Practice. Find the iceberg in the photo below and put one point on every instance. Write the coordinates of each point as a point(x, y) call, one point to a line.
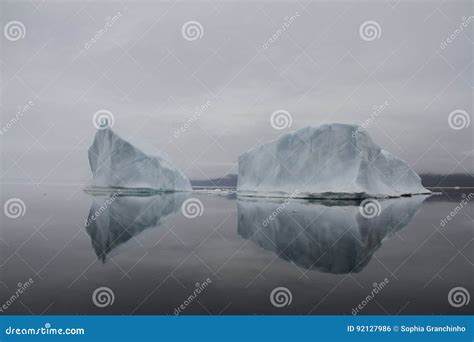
point(117, 163)
point(330, 236)
point(330, 161)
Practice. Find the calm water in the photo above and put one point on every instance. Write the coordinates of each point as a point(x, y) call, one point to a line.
point(152, 257)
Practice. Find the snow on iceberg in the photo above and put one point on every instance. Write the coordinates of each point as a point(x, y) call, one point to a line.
point(117, 163)
point(329, 161)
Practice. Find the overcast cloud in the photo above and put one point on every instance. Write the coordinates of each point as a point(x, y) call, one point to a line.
point(319, 69)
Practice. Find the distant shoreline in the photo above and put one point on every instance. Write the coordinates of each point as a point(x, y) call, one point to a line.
point(435, 181)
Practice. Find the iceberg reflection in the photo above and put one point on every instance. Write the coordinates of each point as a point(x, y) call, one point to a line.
point(114, 218)
point(329, 236)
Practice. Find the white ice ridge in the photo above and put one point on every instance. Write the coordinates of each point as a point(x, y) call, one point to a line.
point(117, 163)
point(329, 161)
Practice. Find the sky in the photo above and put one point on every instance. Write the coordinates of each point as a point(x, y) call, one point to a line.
point(206, 94)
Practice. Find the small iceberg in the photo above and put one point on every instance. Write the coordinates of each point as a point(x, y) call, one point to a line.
point(115, 163)
point(335, 161)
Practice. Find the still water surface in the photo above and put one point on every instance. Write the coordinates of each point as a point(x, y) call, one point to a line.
point(152, 257)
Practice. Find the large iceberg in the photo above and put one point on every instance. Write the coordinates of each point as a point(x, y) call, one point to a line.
point(117, 163)
point(329, 161)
